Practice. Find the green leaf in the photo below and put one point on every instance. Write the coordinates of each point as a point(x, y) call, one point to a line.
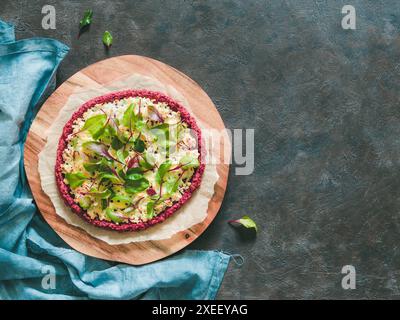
point(134, 176)
point(162, 170)
point(172, 184)
point(95, 125)
point(161, 134)
point(135, 186)
point(189, 161)
point(75, 180)
point(113, 216)
point(87, 19)
point(147, 161)
point(245, 221)
point(96, 148)
point(85, 202)
point(116, 143)
point(137, 170)
point(121, 198)
point(100, 166)
point(109, 177)
point(101, 194)
point(150, 209)
point(139, 145)
point(107, 39)
point(121, 155)
point(129, 118)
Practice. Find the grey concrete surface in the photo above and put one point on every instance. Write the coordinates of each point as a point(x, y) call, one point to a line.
point(324, 103)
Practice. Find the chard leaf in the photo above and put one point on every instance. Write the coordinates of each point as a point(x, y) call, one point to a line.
point(107, 39)
point(134, 170)
point(162, 170)
point(150, 209)
point(189, 161)
point(97, 148)
point(134, 176)
point(101, 194)
point(147, 161)
point(87, 19)
point(115, 216)
point(85, 202)
point(75, 180)
point(116, 143)
point(109, 177)
point(245, 221)
point(161, 134)
point(121, 155)
point(172, 184)
point(95, 125)
point(129, 118)
point(134, 186)
point(139, 145)
point(101, 166)
point(121, 198)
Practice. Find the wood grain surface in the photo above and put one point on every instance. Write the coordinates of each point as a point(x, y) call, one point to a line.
point(105, 72)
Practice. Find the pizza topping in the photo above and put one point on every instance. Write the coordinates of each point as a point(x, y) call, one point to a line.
point(128, 160)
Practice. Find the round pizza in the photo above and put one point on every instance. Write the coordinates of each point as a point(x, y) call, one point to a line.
point(128, 160)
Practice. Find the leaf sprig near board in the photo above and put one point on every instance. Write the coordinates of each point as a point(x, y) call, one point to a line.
point(85, 23)
point(107, 39)
point(246, 222)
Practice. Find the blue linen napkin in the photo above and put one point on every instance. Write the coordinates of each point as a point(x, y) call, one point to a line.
point(30, 251)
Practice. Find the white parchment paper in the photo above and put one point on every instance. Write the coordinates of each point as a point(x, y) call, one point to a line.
point(192, 212)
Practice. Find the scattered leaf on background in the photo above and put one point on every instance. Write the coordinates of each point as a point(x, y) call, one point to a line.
point(86, 20)
point(245, 221)
point(107, 39)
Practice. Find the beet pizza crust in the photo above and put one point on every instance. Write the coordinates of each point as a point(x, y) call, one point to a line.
point(65, 190)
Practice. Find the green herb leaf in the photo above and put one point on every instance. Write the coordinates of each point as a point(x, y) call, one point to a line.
point(134, 176)
point(116, 143)
point(101, 194)
point(75, 180)
point(161, 134)
point(107, 39)
point(150, 209)
point(121, 198)
point(100, 166)
point(189, 161)
point(245, 221)
point(136, 185)
point(139, 145)
point(172, 184)
point(87, 19)
point(162, 170)
point(109, 177)
point(114, 216)
point(129, 118)
point(121, 155)
point(147, 161)
point(85, 202)
point(95, 125)
point(134, 170)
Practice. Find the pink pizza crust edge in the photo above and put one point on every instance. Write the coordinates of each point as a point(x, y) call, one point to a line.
point(62, 144)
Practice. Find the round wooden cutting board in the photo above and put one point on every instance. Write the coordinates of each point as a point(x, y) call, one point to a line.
point(104, 73)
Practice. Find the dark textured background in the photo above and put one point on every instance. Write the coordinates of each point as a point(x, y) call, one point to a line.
point(325, 106)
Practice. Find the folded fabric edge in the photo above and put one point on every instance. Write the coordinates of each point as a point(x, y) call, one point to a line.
point(34, 44)
point(7, 33)
point(219, 270)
